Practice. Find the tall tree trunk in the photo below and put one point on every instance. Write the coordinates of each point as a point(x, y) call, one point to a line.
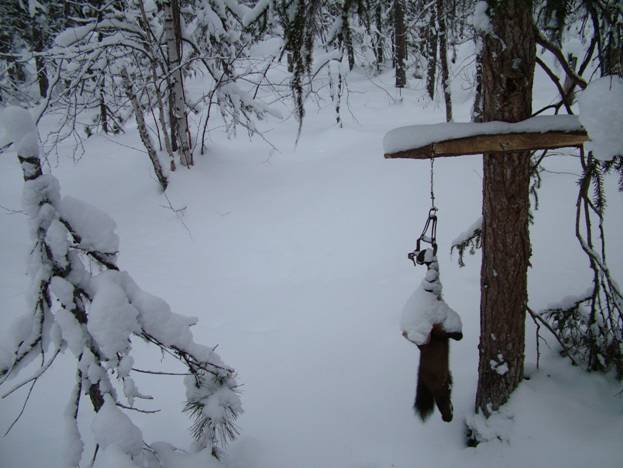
point(378, 35)
point(400, 43)
point(507, 74)
point(347, 37)
point(443, 57)
point(42, 74)
point(431, 49)
point(180, 134)
point(477, 106)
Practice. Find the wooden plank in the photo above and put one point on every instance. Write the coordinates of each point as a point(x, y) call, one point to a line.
point(497, 143)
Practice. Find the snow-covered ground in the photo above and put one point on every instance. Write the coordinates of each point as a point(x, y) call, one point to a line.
point(295, 263)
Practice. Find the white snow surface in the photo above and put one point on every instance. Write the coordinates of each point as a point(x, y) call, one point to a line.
point(112, 319)
point(112, 427)
point(96, 228)
point(416, 136)
point(15, 123)
point(601, 113)
point(295, 264)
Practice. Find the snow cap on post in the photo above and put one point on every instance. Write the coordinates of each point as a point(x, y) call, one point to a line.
point(464, 138)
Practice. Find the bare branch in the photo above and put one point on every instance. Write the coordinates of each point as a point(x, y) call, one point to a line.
point(544, 42)
point(21, 412)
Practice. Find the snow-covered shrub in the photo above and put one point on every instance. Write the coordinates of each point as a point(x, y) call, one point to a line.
point(79, 301)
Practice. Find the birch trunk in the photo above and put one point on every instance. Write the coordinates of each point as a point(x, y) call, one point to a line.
point(142, 130)
point(177, 100)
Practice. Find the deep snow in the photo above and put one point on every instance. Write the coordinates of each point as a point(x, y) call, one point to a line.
point(295, 263)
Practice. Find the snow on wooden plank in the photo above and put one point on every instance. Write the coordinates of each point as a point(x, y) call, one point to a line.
point(456, 139)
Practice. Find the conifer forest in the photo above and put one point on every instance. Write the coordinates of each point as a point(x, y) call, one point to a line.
point(305, 233)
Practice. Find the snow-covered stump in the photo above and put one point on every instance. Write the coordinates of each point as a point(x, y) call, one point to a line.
point(80, 301)
point(429, 323)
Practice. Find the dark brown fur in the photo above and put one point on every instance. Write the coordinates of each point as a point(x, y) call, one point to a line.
point(434, 385)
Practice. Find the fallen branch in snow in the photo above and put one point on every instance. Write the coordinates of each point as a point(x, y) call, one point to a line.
point(178, 212)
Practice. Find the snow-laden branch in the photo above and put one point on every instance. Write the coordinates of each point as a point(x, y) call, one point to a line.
point(80, 301)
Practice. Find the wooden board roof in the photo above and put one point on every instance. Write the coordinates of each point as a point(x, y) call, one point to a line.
point(494, 143)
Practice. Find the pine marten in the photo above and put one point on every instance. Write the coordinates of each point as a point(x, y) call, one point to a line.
point(434, 382)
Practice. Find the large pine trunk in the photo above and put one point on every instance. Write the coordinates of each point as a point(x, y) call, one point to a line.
point(507, 75)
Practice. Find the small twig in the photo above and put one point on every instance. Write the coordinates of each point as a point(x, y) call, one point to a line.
point(134, 148)
point(563, 95)
point(392, 99)
point(143, 371)
point(37, 374)
point(132, 408)
point(176, 212)
point(538, 343)
point(544, 42)
point(11, 211)
point(32, 385)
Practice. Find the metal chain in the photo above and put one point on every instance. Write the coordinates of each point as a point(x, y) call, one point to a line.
point(432, 177)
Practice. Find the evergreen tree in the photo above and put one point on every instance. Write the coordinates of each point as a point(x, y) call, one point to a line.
point(509, 52)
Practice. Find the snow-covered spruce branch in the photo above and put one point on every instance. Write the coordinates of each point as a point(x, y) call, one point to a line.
point(590, 327)
point(469, 241)
point(80, 301)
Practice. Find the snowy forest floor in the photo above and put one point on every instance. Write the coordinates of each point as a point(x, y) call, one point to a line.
point(295, 263)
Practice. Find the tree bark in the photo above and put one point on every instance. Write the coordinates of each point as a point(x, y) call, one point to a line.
point(400, 43)
point(477, 107)
point(378, 36)
point(443, 57)
point(431, 53)
point(508, 70)
point(42, 74)
point(142, 130)
point(180, 134)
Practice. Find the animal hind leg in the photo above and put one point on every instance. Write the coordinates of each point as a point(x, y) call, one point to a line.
point(444, 402)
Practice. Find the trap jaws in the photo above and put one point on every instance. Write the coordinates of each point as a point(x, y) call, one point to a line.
point(426, 255)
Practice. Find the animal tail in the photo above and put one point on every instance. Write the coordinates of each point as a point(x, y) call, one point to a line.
point(424, 400)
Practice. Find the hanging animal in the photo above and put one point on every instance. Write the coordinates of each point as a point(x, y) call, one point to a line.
point(429, 323)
